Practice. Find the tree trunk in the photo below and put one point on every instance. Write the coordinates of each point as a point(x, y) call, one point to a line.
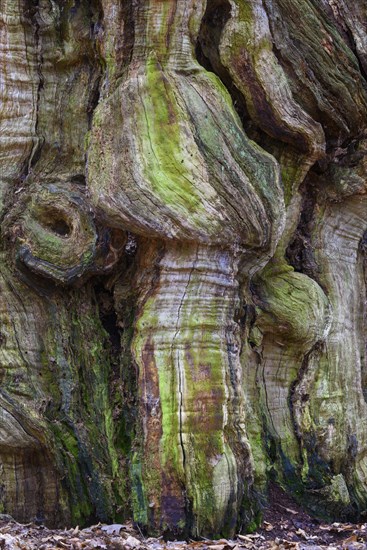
point(183, 260)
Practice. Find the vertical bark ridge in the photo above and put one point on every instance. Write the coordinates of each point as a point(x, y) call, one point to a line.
point(19, 83)
point(26, 457)
point(186, 332)
point(192, 187)
point(47, 79)
point(245, 50)
point(167, 30)
point(336, 406)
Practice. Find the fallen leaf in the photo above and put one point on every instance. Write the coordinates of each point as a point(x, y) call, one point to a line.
point(10, 543)
point(96, 544)
point(302, 533)
point(226, 542)
point(132, 542)
point(113, 529)
point(245, 538)
point(353, 538)
point(289, 510)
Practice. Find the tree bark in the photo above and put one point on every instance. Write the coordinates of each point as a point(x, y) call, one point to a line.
point(183, 260)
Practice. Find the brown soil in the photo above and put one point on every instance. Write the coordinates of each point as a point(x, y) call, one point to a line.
point(285, 526)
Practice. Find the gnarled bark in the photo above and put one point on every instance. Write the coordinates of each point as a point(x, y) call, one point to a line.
point(183, 273)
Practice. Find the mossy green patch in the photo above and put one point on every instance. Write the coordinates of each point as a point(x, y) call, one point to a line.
point(165, 157)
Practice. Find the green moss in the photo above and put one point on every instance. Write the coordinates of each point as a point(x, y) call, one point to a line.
point(87, 138)
point(207, 461)
point(139, 502)
point(290, 172)
point(252, 526)
point(166, 162)
point(296, 301)
point(158, 36)
point(80, 506)
point(75, 373)
point(245, 10)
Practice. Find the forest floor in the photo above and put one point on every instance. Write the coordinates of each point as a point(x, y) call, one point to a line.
point(285, 527)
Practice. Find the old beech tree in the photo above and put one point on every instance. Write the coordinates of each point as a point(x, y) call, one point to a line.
point(183, 260)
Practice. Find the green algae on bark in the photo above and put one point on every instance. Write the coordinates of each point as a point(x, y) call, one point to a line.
point(186, 346)
point(197, 174)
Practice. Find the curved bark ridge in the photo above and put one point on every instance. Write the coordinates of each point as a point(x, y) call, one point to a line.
point(321, 67)
point(184, 168)
point(57, 451)
point(181, 168)
point(265, 51)
point(18, 91)
point(245, 49)
point(334, 414)
point(54, 235)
